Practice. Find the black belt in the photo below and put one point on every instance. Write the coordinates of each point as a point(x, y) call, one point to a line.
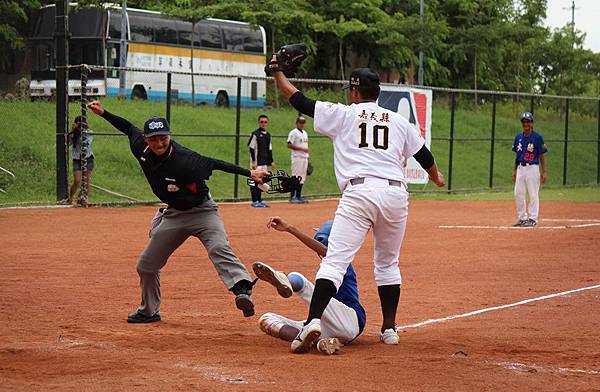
point(526, 164)
point(361, 180)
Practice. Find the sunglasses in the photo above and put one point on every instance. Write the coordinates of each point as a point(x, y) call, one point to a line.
point(263, 122)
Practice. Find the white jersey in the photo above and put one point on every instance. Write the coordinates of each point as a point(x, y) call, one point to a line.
point(298, 138)
point(368, 140)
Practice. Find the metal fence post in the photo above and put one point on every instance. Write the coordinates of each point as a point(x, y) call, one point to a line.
point(169, 97)
point(237, 134)
point(532, 105)
point(61, 35)
point(566, 142)
point(493, 139)
point(451, 152)
point(598, 148)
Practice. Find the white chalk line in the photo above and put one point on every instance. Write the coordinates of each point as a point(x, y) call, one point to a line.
point(560, 227)
point(493, 308)
point(522, 367)
point(569, 220)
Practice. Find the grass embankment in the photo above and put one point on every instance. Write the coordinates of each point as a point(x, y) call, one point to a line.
point(27, 148)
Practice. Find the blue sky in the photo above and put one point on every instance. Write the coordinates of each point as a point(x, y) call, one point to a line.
point(587, 19)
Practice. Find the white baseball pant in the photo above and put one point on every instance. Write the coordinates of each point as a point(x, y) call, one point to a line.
point(527, 181)
point(373, 204)
point(338, 321)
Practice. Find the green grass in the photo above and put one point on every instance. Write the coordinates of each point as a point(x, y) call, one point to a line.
point(27, 148)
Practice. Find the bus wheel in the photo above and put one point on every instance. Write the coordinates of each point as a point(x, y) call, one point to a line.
point(139, 93)
point(222, 100)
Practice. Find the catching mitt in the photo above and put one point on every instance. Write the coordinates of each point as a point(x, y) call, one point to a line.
point(280, 182)
point(289, 58)
point(309, 169)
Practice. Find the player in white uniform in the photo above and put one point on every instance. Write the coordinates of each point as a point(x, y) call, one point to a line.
point(298, 142)
point(369, 143)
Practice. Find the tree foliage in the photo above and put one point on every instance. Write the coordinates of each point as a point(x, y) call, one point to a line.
point(482, 44)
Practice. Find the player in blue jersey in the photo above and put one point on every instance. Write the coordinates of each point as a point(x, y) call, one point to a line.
point(529, 148)
point(344, 318)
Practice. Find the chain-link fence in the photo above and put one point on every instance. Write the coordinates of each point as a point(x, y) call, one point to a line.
point(472, 132)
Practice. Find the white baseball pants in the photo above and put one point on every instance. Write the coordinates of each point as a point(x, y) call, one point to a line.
point(527, 181)
point(338, 321)
point(373, 204)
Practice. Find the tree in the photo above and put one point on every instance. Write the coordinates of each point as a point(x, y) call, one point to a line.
point(14, 18)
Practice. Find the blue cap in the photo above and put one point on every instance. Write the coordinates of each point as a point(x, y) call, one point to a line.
point(322, 234)
point(527, 116)
point(156, 126)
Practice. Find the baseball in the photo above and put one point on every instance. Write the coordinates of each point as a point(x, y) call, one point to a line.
point(264, 187)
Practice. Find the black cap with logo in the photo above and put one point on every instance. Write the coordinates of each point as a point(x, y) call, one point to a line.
point(363, 77)
point(156, 126)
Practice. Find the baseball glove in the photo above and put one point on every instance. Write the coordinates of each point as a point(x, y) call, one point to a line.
point(310, 168)
point(280, 182)
point(289, 58)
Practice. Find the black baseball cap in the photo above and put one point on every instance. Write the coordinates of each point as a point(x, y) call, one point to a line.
point(156, 126)
point(363, 77)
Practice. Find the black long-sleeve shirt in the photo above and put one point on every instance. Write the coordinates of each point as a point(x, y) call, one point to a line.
point(178, 176)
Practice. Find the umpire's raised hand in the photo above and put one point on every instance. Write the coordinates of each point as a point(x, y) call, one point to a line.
point(96, 107)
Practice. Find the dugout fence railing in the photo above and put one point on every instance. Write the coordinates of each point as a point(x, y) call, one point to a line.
point(472, 131)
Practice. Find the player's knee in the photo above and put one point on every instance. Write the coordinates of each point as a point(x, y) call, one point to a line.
point(145, 265)
point(296, 280)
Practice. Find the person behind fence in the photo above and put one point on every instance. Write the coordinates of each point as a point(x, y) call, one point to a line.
point(77, 138)
point(529, 148)
point(298, 142)
point(177, 176)
point(261, 156)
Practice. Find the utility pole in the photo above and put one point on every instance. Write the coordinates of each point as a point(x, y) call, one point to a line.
point(123, 49)
point(420, 76)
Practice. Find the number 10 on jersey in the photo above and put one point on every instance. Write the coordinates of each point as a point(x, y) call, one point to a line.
point(380, 136)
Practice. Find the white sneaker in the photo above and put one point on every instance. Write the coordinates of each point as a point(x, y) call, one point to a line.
point(275, 278)
point(390, 336)
point(329, 346)
point(307, 336)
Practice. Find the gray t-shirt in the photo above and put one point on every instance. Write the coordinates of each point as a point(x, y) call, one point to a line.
point(76, 151)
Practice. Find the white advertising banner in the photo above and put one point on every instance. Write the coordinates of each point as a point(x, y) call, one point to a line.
point(415, 105)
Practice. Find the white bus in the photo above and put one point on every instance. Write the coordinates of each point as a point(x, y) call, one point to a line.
point(155, 42)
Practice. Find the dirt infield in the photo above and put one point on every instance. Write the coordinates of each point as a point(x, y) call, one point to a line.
point(68, 281)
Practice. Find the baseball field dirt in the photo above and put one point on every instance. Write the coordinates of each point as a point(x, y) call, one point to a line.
point(68, 282)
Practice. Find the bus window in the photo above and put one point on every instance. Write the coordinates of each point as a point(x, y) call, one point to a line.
point(165, 31)
point(141, 27)
point(84, 52)
point(254, 91)
point(233, 37)
point(44, 26)
point(209, 35)
point(87, 23)
point(114, 27)
point(184, 30)
point(253, 40)
point(43, 58)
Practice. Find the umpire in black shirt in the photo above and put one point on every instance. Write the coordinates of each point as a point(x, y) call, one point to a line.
point(177, 177)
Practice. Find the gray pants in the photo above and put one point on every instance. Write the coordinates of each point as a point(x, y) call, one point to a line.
point(171, 230)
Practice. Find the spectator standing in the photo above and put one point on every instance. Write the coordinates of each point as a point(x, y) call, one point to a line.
point(298, 142)
point(261, 156)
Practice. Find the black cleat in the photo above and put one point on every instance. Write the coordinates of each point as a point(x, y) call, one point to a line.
point(244, 303)
point(139, 318)
point(521, 223)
